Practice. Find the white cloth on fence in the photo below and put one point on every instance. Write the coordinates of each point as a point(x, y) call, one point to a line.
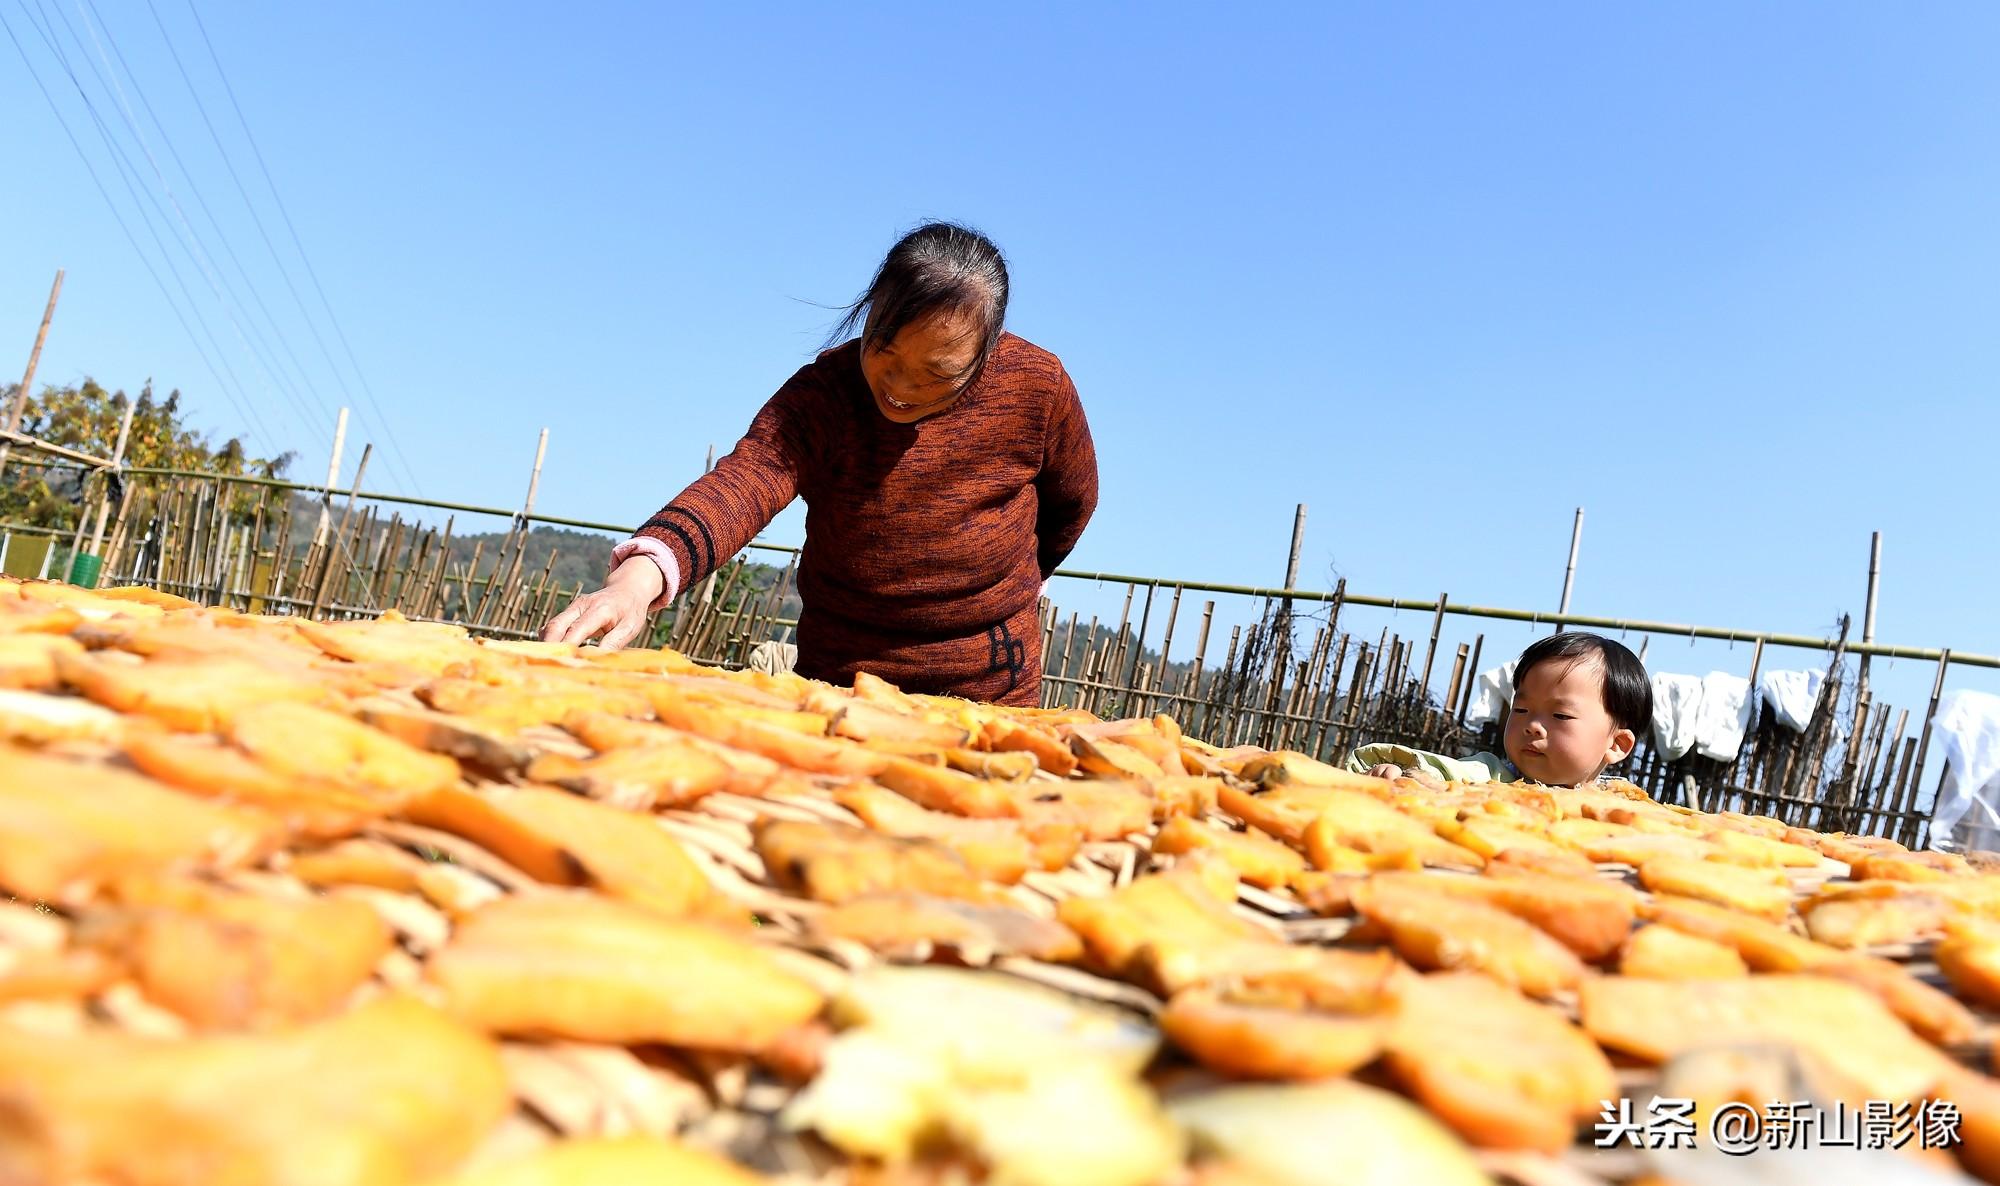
point(1968, 723)
point(1724, 716)
point(1792, 695)
point(1676, 708)
point(773, 658)
point(1492, 692)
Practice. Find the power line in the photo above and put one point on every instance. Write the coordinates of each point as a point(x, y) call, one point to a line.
point(189, 240)
point(367, 389)
point(241, 405)
point(229, 249)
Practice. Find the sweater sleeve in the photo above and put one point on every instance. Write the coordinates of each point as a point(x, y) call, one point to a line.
point(724, 509)
point(1067, 487)
point(1480, 767)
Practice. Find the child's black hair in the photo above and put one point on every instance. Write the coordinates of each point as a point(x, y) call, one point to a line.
point(1628, 694)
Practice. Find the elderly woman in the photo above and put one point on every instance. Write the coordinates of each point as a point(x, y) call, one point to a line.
point(947, 470)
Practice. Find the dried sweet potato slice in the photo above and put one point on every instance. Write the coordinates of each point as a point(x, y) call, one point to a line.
point(1909, 866)
point(578, 966)
point(948, 790)
point(28, 661)
point(1004, 767)
point(860, 720)
point(1489, 836)
point(1354, 820)
point(612, 1161)
point(1257, 858)
point(661, 774)
point(1636, 848)
point(1048, 750)
point(1663, 953)
point(308, 805)
point(1288, 767)
point(428, 647)
point(1191, 795)
point(1099, 810)
point(230, 960)
point(1270, 1135)
point(838, 863)
point(817, 755)
point(1931, 1012)
point(297, 1108)
point(1839, 1024)
point(54, 975)
point(1877, 913)
point(1763, 893)
point(1438, 931)
point(36, 718)
point(1503, 1071)
point(1515, 862)
point(522, 706)
point(1001, 850)
point(1107, 757)
point(302, 741)
point(358, 862)
point(489, 751)
point(1168, 926)
point(1283, 812)
point(20, 615)
point(1969, 957)
point(1591, 918)
point(65, 827)
point(1751, 848)
point(1252, 1040)
point(1764, 945)
point(561, 839)
point(193, 695)
point(897, 924)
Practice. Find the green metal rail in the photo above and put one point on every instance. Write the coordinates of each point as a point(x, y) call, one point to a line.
point(1430, 605)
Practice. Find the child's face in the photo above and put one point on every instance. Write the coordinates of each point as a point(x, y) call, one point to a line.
point(1559, 733)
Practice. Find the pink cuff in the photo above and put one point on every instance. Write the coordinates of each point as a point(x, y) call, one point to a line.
point(660, 555)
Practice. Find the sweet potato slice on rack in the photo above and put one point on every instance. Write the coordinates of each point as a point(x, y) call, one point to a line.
point(28, 661)
point(392, 1092)
point(1283, 812)
point(36, 718)
point(55, 975)
point(1969, 957)
point(1909, 866)
point(1354, 820)
point(1099, 810)
point(861, 720)
point(1002, 850)
point(1001, 767)
point(1764, 945)
point(20, 615)
point(488, 750)
point(1108, 757)
point(1289, 768)
point(560, 839)
point(948, 790)
point(230, 960)
point(66, 827)
point(1663, 953)
point(1628, 847)
point(612, 1161)
point(1591, 918)
point(1438, 931)
point(516, 707)
point(661, 774)
point(898, 924)
point(1489, 836)
point(193, 695)
point(431, 648)
point(1192, 795)
point(1048, 750)
point(308, 805)
point(1753, 848)
point(1257, 858)
point(1838, 1024)
point(578, 966)
point(1931, 1012)
point(1504, 1071)
point(1277, 1029)
point(1765, 894)
point(1877, 913)
point(816, 755)
point(1273, 1135)
point(301, 741)
point(838, 863)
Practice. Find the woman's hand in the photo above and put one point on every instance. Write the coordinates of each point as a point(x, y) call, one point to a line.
point(617, 611)
point(1385, 770)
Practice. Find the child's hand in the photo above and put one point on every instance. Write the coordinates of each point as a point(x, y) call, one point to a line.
point(1386, 770)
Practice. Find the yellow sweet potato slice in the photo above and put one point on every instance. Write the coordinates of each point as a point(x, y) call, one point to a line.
point(1283, 812)
point(1177, 913)
point(89, 604)
point(1488, 836)
point(1287, 767)
point(1747, 848)
point(28, 661)
point(66, 827)
point(897, 924)
point(145, 595)
point(513, 708)
point(1047, 749)
point(860, 720)
point(487, 750)
point(1438, 931)
point(1764, 945)
point(817, 755)
point(300, 1108)
point(1969, 957)
point(1257, 858)
point(948, 790)
point(1927, 1010)
point(837, 863)
point(1838, 1024)
point(299, 740)
point(1637, 848)
point(55, 975)
point(428, 647)
point(1503, 1071)
point(1355, 820)
point(230, 960)
point(1249, 1039)
point(1663, 953)
point(1520, 861)
point(612, 1161)
point(1591, 918)
point(577, 966)
point(1184, 794)
point(1099, 810)
point(1108, 758)
point(1876, 913)
point(308, 805)
point(662, 774)
point(1292, 1135)
point(1001, 850)
point(1909, 866)
point(20, 615)
point(1004, 767)
point(37, 718)
point(358, 862)
point(1753, 891)
point(193, 695)
point(561, 839)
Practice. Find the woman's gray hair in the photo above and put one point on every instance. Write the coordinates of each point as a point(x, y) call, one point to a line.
point(940, 265)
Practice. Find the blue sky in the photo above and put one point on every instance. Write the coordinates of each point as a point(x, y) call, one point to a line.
point(1722, 274)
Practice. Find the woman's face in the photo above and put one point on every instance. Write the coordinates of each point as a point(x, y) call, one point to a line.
point(926, 366)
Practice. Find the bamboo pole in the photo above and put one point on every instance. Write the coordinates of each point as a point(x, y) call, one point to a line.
point(20, 404)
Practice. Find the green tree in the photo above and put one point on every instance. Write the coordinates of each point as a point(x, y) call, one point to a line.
point(41, 491)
